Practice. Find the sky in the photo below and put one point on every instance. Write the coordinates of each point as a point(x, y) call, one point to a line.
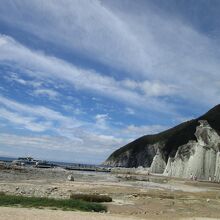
point(81, 78)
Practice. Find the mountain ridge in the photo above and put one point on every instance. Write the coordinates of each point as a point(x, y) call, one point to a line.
point(142, 151)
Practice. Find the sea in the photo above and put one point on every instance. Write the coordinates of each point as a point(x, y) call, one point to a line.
point(58, 163)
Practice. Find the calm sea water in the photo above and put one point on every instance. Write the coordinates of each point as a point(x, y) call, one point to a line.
point(9, 159)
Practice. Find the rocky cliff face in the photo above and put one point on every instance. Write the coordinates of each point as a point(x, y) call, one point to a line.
point(198, 158)
point(191, 148)
point(133, 158)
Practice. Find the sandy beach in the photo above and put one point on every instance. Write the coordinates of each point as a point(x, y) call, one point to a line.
point(36, 214)
point(136, 197)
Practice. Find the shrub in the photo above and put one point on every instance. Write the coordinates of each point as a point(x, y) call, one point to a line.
point(2, 193)
point(91, 197)
point(64, 204)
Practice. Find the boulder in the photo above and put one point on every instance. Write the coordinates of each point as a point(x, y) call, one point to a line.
point(70, 177)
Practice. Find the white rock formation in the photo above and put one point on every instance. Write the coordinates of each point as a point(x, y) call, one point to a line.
point(158, 164)
point(199, 158)
point(217, 167)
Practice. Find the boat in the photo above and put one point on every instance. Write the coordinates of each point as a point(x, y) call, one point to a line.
point(23, 161)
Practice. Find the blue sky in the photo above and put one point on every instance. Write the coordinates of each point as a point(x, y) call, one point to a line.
point(81, 78)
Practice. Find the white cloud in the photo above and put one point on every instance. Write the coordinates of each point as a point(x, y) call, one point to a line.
point(89, 28)
point(14, 77)
point(29, 123)
point(151, 88)
point(136, 131)
point(163, 62)
point(35, 118)
point(163, 50)
point(33, 110)
point(68, 134)
point(38, 118)
point(101, 120)
point(73, 109)
point(40, 142)
point(49, 67)
point(134, 40)
point(93, 147)
point(52, 94)
point(38, 86)
point(129, 111)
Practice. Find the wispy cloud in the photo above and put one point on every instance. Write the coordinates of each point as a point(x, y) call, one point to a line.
point(29, 123)
point(101, 120)
point(34, 118)
point(90, 150)
point(153, 47)
point(14, 77)
point(137, 131)
point(49, 67)
point(52, 94)
point(129, 111)
point(136, 57)
point(90, 29)
point(68, 134)
point(145, 43)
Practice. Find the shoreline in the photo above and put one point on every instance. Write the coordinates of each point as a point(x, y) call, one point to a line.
point(154, 197)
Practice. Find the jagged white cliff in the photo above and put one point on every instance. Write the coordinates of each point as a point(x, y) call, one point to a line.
point(199, 158)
